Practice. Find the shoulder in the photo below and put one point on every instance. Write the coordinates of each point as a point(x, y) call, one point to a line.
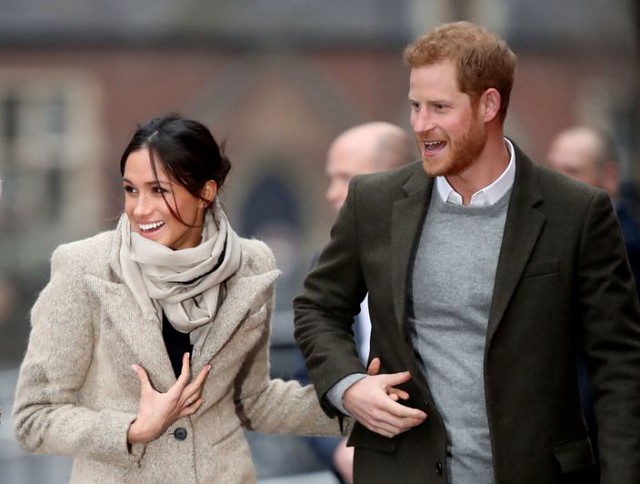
point(391, 179)
point(376, 190)
point(257, 257)
point(88, 256)
point(563, 189)
point(554, 187)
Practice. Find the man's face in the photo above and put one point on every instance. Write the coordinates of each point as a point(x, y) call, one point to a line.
point(347, 157)
point(446, 126)
point(572, 154)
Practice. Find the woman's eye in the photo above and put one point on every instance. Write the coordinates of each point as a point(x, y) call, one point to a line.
point(129, 189)
point(159, 190)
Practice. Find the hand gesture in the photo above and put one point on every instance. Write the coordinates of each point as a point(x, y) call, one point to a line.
point(373, 401)
point(156, 411)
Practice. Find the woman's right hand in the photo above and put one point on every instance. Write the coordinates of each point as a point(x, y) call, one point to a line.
point(157, 411)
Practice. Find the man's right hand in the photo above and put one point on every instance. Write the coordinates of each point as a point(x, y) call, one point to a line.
point(373, 403)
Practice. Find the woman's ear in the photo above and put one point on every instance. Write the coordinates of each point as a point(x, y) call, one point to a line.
point(209, 192)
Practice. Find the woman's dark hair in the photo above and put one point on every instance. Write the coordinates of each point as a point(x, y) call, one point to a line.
point(186, 150)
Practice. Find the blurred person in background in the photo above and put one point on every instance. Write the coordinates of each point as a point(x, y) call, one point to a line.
point(148, 351)
point(589, 155)
point(481, 269)
point(365, 148)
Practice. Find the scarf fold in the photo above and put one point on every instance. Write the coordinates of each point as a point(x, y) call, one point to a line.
point(185, 283)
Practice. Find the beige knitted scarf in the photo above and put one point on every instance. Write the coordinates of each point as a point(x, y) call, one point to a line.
point(185, 283)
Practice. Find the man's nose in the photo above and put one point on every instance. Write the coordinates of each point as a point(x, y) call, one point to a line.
point(422, 121)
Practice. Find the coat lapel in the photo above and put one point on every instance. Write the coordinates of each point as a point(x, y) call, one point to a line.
point(243, 292)
point(522, 228)
point(409, 211)
point(141, 332)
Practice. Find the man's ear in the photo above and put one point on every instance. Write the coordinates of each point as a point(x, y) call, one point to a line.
point(208, 192)
point(490, 101)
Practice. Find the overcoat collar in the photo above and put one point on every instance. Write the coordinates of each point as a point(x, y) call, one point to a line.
point(523, 225)
point(141, 330)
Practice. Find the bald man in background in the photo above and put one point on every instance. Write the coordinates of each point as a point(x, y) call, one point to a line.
point(362, 149)
point(589, 155)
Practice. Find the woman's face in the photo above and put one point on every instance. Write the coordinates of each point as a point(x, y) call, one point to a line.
point(147, 210)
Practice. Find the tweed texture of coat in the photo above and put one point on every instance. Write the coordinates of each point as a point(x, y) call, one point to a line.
point(77, 393)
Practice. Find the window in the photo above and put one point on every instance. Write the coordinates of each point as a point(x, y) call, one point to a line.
point(47, 149)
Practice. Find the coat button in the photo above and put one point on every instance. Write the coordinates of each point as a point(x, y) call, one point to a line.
point(180, 433)
point(439, 467)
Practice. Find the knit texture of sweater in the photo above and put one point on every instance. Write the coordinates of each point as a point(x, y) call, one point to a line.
point(451, 291)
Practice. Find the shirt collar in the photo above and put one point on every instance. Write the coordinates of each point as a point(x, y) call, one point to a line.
point(490, 194)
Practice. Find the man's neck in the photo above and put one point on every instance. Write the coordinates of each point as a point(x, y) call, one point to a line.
point(486, 169)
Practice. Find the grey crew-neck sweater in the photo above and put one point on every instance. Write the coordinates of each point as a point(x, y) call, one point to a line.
point(451, 290)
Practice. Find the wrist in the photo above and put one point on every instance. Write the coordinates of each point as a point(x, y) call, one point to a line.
point(139, 433)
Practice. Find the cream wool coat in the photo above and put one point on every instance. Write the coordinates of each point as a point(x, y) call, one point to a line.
point(77, 393)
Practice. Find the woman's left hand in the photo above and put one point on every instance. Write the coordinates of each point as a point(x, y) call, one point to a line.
point(157, 411)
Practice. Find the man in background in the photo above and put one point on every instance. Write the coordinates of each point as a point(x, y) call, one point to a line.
point(589, 155)
point(365, 148)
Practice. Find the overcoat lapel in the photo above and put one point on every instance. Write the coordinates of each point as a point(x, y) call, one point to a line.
point(241, 296)
point(408, 215)
point(140, 331)
point(523, 225)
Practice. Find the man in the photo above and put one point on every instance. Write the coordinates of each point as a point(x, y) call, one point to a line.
point(481, 267)
point(365, 148)
point(589, 155)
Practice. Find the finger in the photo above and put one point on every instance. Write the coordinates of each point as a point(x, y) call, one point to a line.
point(383, 428)
point(398, 394)
point(396, 411)
point(374, 366)
point(183, 379)
point(188, 398)
point(389, 430)
point(192, 408)
point(395, 379)
point(195, 387)
point(199, 381)
point(142, 375)
point(386, 423)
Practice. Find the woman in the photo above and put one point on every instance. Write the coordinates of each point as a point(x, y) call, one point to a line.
point(172, 290)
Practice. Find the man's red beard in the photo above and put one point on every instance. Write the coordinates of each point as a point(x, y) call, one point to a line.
point(462, 153)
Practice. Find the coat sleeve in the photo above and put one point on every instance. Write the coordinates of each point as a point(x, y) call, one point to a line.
point(610, 316)
point(48, 416)
point(273, 405)
point(331, 297)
